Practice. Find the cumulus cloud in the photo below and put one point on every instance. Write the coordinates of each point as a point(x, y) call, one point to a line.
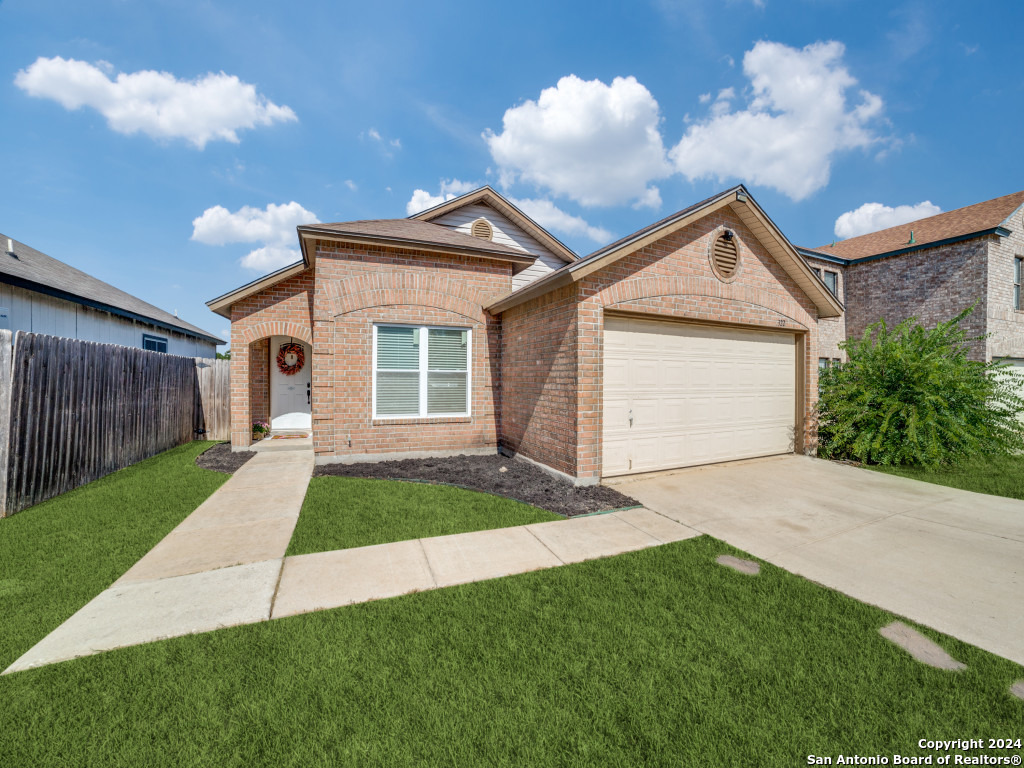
point(209, 108)
point(872, 217)
point(594, 143)
point(799, 116)
point(421, 199)
point(550, 216)
point(273, 227)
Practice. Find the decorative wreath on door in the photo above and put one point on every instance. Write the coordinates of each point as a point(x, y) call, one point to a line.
point(290, 358)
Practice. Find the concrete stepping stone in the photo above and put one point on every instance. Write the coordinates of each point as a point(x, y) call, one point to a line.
point(919, 646)
point(142, 612)
point(748, 567)
point(345, 576)
point(1017, 689)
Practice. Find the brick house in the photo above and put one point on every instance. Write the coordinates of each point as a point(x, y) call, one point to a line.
point(468, 329)
point(932, 269)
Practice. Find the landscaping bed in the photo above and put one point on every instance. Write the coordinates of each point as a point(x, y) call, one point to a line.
point(495, 474)
point(220, 458)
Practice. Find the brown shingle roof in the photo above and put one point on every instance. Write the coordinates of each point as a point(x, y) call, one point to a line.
point(943, 226)
point(412, 231)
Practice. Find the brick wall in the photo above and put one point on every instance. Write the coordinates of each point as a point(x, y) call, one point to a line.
point(286, 309)
point(259, 380)
point(832, 330)
point(357, 286)
point(552, 364)
point(1005, 323)
point(539, 373)
point(932, 284)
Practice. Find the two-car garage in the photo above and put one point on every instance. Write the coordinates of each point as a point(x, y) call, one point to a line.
point(681, 394)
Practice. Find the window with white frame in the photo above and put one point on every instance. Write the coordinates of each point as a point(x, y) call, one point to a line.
point(420, 371)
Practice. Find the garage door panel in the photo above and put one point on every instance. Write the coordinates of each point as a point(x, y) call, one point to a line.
point(698, 394)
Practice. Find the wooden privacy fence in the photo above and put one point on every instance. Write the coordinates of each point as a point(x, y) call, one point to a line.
point(73, 411)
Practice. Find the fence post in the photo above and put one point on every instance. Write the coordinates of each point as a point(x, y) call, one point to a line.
point(6, 361)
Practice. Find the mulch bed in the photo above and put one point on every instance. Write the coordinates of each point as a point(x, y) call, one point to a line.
point(220, 458)
point(520, 481)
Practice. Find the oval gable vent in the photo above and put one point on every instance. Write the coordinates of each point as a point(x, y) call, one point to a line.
point(482, 228)
point(724, 255)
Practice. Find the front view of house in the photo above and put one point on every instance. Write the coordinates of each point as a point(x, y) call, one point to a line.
point(468, 328)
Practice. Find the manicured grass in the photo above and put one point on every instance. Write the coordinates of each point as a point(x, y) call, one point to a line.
point(344, 512)
point(996, 475)
point(658, 657)
point(58, 555)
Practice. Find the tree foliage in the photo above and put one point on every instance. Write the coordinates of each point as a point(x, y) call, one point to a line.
point(910, 395)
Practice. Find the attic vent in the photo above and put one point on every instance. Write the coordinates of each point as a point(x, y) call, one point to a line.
point(482, 228)
point(725, 256)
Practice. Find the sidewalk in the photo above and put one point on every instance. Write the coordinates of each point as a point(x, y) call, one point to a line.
point(224, 565)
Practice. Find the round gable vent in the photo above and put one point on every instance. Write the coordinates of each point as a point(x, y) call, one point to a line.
point(482, 228)
point(725, 256)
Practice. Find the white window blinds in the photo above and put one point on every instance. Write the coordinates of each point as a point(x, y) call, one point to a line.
point(421, 371)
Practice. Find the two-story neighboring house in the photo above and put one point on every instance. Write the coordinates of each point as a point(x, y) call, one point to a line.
point(932, 269)
point(40, 294)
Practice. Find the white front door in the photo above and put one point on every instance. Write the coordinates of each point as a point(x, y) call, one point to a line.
point(291, 380)
point(677, 394)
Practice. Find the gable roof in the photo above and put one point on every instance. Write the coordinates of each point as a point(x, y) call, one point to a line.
point(489, 197)
point(408, 233)
point(416, 234)
point(35, 271)
point(961, 224)
point(740, 201)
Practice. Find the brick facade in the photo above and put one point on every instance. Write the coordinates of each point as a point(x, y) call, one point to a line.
point(1005, 323)
point(553, 345)
point(832, 330)
point(358, 286)
point(932, 284)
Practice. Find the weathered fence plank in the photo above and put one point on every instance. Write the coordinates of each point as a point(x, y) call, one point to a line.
point(73, 411)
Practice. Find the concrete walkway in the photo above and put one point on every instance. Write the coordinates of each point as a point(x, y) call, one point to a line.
point(225, 564)
point(946, 558)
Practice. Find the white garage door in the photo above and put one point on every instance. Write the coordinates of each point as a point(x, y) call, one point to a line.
point(677, 395)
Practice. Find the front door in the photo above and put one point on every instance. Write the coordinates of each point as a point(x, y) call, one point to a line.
point(291, 396)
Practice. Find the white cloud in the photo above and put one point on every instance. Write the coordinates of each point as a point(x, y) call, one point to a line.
point(374, 134)
point(209, 108)
point(872, 217)
point(273, 227)
point(421, 200)
point(549, 216)
point(594, 143)
point(797, 119)
point(351, 185)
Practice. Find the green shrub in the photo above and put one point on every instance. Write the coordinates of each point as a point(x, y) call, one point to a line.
point(910, 396)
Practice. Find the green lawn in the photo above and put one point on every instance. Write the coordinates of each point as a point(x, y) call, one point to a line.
point(58, 555)
point(344, 512)
point(999, 475)
point(657, 657)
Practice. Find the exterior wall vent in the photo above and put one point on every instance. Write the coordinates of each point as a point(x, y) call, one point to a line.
point(725, 256)
point(482, 228)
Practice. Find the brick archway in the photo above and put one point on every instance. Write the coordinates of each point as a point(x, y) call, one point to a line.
point(439, 292)
point(269, 328)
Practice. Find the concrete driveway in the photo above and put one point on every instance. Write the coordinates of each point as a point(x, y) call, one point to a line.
point(948, 559)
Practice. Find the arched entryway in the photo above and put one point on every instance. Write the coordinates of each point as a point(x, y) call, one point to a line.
point(291, 384)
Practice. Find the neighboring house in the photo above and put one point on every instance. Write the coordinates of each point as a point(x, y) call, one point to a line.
point(469, 328)
point(933, 269)
point(42, 295)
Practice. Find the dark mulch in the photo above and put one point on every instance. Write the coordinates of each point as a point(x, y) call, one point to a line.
point(220, 458)
point(520, 481)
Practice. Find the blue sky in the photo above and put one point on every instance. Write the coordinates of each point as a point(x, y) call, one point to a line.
point(170, 148)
